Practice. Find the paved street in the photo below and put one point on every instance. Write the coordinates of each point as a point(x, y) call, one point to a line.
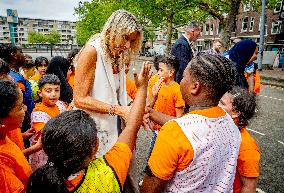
point(267, 128)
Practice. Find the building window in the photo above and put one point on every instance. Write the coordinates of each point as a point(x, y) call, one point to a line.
point(276, 27)
point(265, 26)
point(278, 7)
point(245, 24)
point(247, 7)
point(206, 29)
point(251, 24)
point(211, 29)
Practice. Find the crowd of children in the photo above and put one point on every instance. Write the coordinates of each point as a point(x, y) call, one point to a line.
point(47, 145)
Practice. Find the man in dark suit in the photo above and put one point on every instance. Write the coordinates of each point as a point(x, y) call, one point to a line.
point(182, 50)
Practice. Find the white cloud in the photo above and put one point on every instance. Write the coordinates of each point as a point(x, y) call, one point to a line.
point(42, 9)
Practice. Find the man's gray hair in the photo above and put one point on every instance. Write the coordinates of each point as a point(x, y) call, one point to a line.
point(192, 26)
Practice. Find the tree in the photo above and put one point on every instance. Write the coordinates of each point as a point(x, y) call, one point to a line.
point(52, 39)
point(36, 37)
point(226, 12)
point(165, 14)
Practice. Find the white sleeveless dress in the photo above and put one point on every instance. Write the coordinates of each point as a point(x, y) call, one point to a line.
point(110, 90)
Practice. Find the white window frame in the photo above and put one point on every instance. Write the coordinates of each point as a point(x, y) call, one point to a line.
point(245, 30)
point(211, 31)
point(207, 31)
point(247, 7)
point(277, 11)
point(279, 27)
point(251, 24)
point(259, 26)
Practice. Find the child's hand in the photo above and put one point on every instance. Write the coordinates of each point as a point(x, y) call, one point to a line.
point(144, 75)
point(29, 133)
point(157, 86)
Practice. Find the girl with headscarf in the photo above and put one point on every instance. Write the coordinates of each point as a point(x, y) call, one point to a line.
point(243, 54)
point(59, 66)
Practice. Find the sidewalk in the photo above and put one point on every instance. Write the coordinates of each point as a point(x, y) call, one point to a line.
point(273, 77)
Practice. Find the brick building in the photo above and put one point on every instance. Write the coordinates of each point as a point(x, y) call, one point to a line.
point(247, 27)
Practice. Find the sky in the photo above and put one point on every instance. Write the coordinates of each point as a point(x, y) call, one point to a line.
point(42, 9)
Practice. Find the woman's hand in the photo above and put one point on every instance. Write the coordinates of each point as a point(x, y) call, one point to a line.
point(123, 112)
point(142, 79)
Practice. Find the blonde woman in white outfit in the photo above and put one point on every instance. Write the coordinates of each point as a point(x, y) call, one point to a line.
point(100, 86)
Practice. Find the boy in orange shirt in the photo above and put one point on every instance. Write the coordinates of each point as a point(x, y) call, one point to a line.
point(198, 151)
point(240, 104)
point(165, 96)
point(14, 168)
point(49, 107)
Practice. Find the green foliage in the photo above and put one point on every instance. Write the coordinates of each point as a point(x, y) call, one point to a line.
point(36, 38)
point(53, 38)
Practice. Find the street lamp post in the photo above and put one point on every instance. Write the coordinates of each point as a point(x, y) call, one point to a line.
point(262, 31)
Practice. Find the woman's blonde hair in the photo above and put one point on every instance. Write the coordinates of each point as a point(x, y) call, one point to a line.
point(120, 24)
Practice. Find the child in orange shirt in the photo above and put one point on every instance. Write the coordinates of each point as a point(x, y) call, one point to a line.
point(165, 94)
point(14, 168)
point(240, 104)
point(71, 143)
point(49, 107)
point(41, 65)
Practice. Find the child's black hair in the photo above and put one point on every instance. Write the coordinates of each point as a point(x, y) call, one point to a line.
point(48, 79)
point(67, 140)
point(169, 60)
point(29, 64)
point(71, 55)
point(9, 93)
point(6, 50)
point(215, 72)
point(39, 60)
point(59, 66)
point(4, 68)
point(244, 103)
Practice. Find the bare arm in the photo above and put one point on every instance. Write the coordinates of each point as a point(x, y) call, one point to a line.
point(158, 117)
point(250, 82)
point(129, 134)
point(248, 185)
point(153, 185)
point(84, 79)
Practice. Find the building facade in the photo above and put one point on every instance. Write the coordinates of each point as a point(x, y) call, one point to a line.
point(248, 25)
point(16, 30)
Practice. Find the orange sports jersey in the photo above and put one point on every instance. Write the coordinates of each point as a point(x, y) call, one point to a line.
point(130, 88)
point(14, 168)
point(71, 80)
point(17, 137)
point(248, 160)
point(172, 151)
point(118, 157)
point(256, 77)
point(51, 111)
point(169, 98)
point(35, 77)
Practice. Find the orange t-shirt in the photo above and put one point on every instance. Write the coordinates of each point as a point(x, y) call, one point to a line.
point(248, 159)
point(35, 77)
point(118, 157)
point(172, 151)
point(51, 111)
point(169, 98)
point(71, 80)
point(14, 168)
point(130, 88)
point(17, 137)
